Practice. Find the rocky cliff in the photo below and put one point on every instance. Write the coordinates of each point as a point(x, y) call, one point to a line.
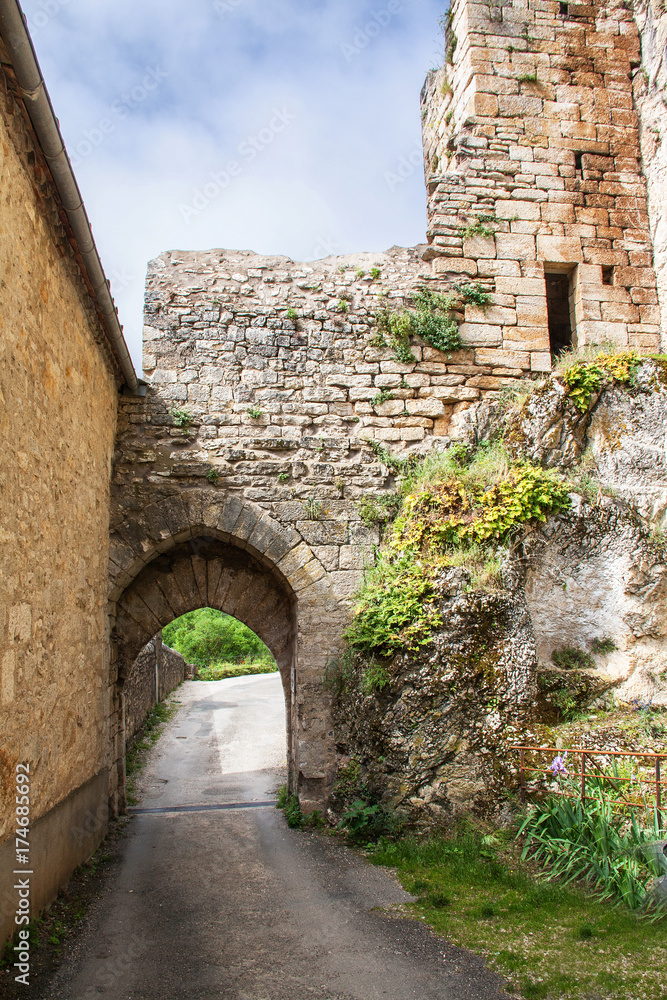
point(572, 614)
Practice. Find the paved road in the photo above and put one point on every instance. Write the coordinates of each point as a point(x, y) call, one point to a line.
point(229, 904)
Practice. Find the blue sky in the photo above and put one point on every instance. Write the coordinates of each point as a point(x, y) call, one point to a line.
point(270, 125)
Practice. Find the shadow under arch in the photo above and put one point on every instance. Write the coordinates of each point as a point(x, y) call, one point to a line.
point(199, 572)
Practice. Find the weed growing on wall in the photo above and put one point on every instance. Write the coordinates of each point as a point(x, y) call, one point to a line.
point(378, 508)
point(478, 227)
point(433, 320)
point(374, 679)
point(458, 509)
point(572, 658)
point(476, 505)
point(181, 418)
point(395, 607)
point(585, 375)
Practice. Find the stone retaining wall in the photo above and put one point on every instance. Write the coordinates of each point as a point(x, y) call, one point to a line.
point(156, 672)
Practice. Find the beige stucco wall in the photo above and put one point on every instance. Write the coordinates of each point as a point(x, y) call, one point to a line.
point(58, 403)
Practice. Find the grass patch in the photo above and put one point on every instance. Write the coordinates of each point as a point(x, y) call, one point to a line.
point(296, 820)
point(220, 671)
point(144, 741)
point(548, 939)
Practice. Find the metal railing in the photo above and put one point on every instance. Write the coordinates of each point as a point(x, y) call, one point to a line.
point(642, 789)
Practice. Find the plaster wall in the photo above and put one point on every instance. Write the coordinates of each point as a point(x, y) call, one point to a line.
point(57, 423)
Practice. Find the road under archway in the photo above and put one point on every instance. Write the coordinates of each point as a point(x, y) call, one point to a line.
point(216, 899)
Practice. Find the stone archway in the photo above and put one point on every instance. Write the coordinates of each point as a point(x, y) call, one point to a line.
point(192, 550)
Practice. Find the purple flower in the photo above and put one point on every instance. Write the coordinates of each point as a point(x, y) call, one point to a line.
point(557, 766)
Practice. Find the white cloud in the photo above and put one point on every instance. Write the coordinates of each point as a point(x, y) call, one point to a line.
point(155, 97)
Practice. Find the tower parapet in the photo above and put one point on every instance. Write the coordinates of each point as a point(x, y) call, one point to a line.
point(535, 185)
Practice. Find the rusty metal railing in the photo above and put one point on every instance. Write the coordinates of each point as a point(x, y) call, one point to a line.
point(647, 782)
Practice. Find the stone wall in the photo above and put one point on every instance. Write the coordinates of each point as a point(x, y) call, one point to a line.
point(154, 675)
point(531, 127)
point(57, 420)
point(650, 89)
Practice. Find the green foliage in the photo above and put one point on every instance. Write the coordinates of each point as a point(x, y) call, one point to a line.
point(434, 322)
point(603, 645)
point(459, 511)
point(528, 929)
point(348, 784)
point(584, 376)
point(474, 294)
point(147, 736)
point(181, 418)
point(292, 315)
point(572, 658)
point(590, 842)
point(456, 510)
point(366, 822)
point(395, 329)
point(342, 306)
point(293, 813)
point(376, 273)
point(378, 508)
point(254, 412)
point(528, 77)
point(213, 476)
point(374, 679)
point(360, 273)
point(206, 637)
point(313, 509)
point(383, 396)
point(446, 23)
point(221, 671)
point(339, 672)
point(478, 227)
point(395, 607)
point(295, 818)
point(284, 477)
point(400, 466)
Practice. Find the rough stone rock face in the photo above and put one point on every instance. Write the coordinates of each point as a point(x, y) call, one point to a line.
point(438, 740)
point(593, 573)
point(425, 745)
point(627, 441)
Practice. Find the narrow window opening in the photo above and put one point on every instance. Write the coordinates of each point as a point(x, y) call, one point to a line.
point(578, 162)
point(558, 312)
point(607, 276)
point(563, 9)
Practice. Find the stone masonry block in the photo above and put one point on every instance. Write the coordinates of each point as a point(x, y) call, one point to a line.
point(518, 209)
point(515, 247)
point(559, 249)
point(454, 266)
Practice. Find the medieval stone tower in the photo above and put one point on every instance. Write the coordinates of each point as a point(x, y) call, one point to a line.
point(535, 185)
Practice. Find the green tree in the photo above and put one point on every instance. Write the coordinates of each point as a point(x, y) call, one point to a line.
point(207, 637)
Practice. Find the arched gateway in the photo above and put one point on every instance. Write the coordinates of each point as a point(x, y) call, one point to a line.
point(195, 550)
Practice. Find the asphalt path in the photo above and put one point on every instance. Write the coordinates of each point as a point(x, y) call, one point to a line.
point(216, 899)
